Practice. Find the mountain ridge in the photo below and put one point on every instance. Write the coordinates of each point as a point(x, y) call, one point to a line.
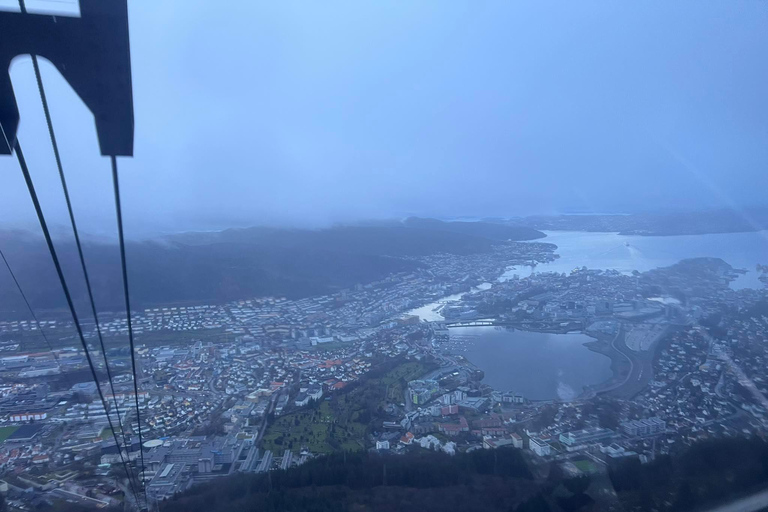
point(229, 265)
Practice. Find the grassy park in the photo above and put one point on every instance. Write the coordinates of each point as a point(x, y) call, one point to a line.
point(342, 421)
point(6, 432)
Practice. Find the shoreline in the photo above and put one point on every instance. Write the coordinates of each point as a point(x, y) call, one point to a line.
point(631, 371)
point(619, 361)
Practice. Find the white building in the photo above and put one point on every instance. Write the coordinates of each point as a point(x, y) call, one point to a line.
point(29, 416)
point(644, 427)
point(539, 446)
point(318, 340)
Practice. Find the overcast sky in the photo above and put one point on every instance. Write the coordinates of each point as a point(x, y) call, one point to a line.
point(308, 113)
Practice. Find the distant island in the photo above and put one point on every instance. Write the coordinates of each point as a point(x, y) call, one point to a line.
point(661, 224)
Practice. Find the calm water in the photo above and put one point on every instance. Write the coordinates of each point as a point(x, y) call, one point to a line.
point(551, 366)
point(541, 366)
point(610, 251)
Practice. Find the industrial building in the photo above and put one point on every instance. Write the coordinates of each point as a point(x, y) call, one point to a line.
point(644, 427)
point(579, 438)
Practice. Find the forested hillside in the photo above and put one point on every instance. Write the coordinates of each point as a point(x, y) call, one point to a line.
point(233, 264)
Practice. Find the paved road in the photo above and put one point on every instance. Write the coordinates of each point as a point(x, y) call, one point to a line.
point(263, 426)
point(591, 391)
point(720, 384)
point(625, 352)
point(407, 399)
point(757, 501)
point(641, 368)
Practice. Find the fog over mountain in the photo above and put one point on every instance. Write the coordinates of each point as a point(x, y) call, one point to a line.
point(238, 263)
point(307, 114)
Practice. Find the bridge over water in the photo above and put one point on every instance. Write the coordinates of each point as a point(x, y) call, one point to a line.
point(490, 322)
point(478, 323)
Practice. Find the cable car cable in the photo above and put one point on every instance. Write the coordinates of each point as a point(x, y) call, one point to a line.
point(68, 296)
point(55, 145)
point(31, 311)
point(121, 238)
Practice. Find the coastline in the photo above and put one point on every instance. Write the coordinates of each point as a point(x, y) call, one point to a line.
point(620, 363)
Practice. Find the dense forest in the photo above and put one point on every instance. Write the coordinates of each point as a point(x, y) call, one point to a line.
point(480, 480)
point(709, 473)
point(492, 230)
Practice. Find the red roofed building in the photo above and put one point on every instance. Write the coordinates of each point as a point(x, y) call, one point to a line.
point(449, 410)
point(494, 420)
point(40, 459)
point(454, 429)
point(494, 431)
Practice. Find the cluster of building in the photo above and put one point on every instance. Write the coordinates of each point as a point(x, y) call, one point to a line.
point(206, 401)
point(707, 377)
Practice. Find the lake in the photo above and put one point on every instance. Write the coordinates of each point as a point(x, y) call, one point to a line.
point(541, 366)
point(557, 366)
